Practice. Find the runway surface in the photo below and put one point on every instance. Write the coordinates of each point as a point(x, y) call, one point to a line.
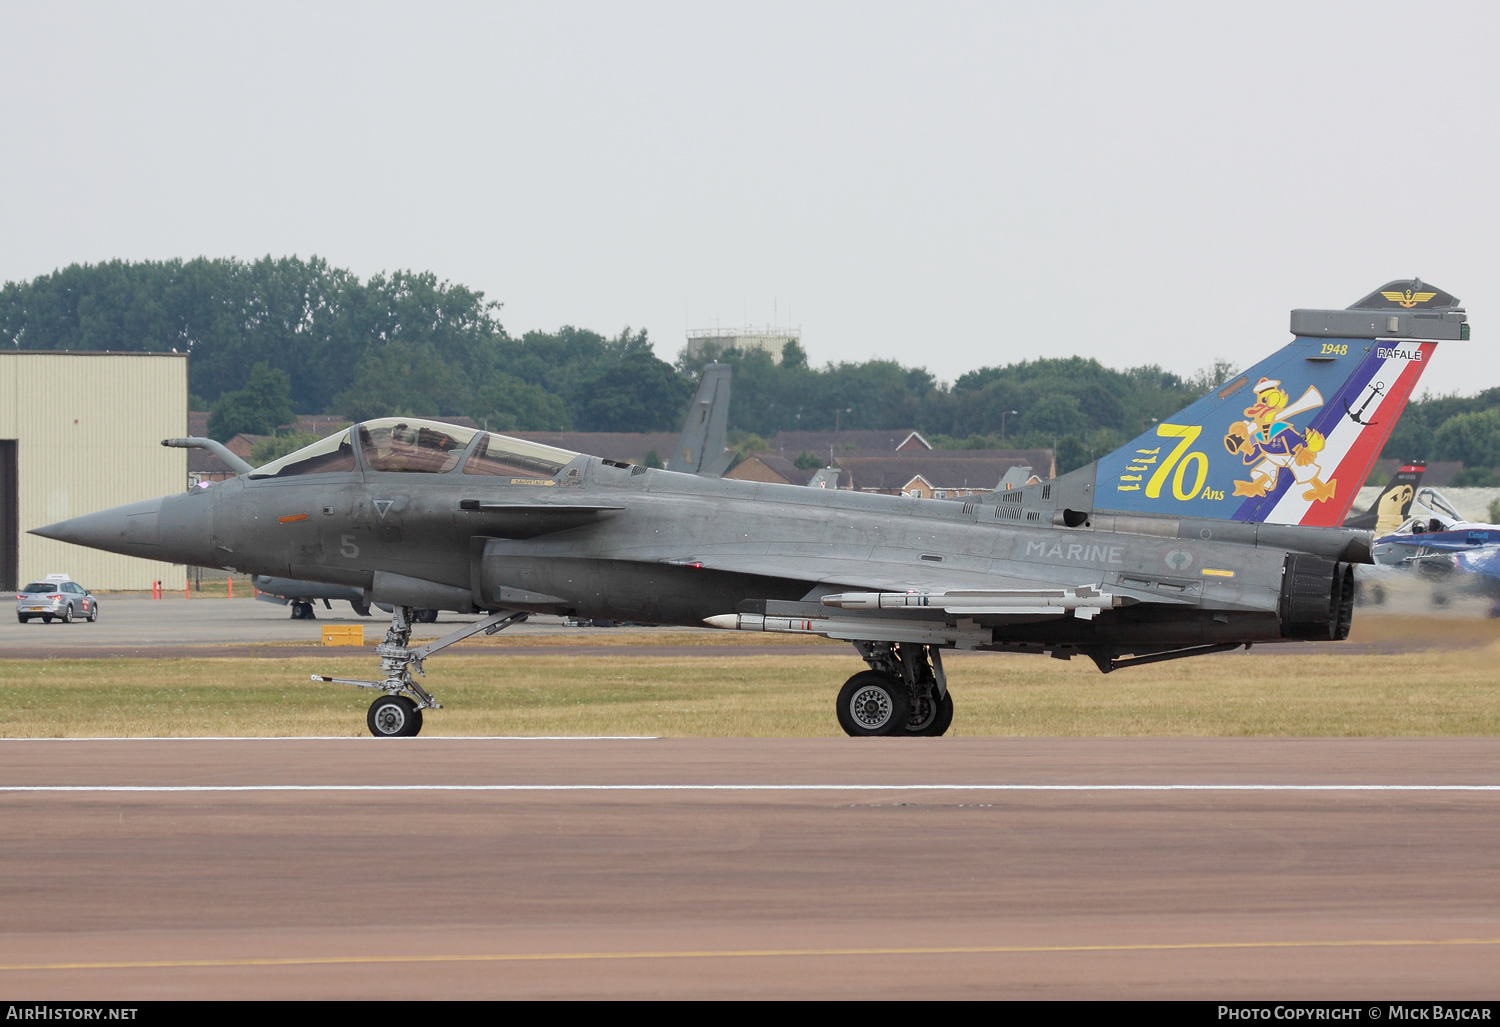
point(751, 868)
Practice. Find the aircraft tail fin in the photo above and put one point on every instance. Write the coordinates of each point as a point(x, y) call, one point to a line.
point(701, 449)
point(825, 478)
point(1291, 439)
point(1393, 505)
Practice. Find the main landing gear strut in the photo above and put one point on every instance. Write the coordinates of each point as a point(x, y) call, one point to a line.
point(904, 693)
point(398, 713)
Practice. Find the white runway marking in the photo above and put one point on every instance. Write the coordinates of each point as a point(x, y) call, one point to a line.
point(348, 738)
point(763, 788)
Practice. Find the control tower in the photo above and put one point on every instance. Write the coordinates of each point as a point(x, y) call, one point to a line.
point(766, 338)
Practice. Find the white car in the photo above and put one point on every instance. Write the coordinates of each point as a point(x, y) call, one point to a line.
point(59, 597)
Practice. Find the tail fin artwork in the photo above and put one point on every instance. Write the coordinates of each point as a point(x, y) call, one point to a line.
point(1291, 439)
point(701, 450)
point(1390, 509)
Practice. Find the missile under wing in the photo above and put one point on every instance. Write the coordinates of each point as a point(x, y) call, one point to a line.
point(1216, 529)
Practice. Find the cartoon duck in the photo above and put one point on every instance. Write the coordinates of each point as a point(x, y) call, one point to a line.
point(1269, 442)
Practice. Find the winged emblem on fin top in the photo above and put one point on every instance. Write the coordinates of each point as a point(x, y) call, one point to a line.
point(1408, 298)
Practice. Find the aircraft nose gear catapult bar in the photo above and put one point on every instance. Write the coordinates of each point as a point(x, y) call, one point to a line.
point(394, 714)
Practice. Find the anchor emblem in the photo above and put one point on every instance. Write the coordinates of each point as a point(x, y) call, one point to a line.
point(1377, 389)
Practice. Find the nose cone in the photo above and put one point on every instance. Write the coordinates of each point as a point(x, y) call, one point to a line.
point(176, 529)
point(121, 529)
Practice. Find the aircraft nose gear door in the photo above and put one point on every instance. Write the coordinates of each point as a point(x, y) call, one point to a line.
point(398, 713)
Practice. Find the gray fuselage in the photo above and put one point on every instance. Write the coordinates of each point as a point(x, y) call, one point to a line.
point(609, 540)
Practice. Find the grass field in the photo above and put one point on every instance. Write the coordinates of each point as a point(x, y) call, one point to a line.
point(1439, 692)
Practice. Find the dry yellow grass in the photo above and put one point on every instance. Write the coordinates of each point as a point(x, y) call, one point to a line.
point(533, 693)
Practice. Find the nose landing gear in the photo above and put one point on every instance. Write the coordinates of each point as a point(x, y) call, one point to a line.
point(398, 713)
point(394, 716)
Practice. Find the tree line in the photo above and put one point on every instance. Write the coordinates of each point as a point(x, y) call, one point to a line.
point(402, 343)
point(273, 336)
point(1463, 428)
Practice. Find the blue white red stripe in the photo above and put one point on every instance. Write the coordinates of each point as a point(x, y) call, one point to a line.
point(1377, 392)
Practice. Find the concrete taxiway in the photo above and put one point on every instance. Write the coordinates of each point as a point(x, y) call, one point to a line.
point(911, 868)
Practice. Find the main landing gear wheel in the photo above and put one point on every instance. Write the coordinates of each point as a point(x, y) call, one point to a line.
point(394, 716)
point(930, 716)
point(303, 611)
point(872, 703)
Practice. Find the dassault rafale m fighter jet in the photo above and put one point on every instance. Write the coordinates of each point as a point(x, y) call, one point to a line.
point(1215, 529)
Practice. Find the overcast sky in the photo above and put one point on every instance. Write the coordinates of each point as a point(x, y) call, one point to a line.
point(950, 185)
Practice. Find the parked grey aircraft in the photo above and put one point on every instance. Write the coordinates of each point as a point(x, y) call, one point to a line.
point(700, 450)
point(1178, 544)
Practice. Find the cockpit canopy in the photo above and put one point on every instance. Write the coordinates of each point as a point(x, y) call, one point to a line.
point(326, 456)
point(1430, 512)
point(402, 444)
point(412, 445)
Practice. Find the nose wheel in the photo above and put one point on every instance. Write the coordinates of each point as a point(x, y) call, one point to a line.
point(398, 713)
point(394, 716)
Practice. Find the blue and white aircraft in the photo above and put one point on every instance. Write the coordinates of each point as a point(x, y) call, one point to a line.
point(1438, 543)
